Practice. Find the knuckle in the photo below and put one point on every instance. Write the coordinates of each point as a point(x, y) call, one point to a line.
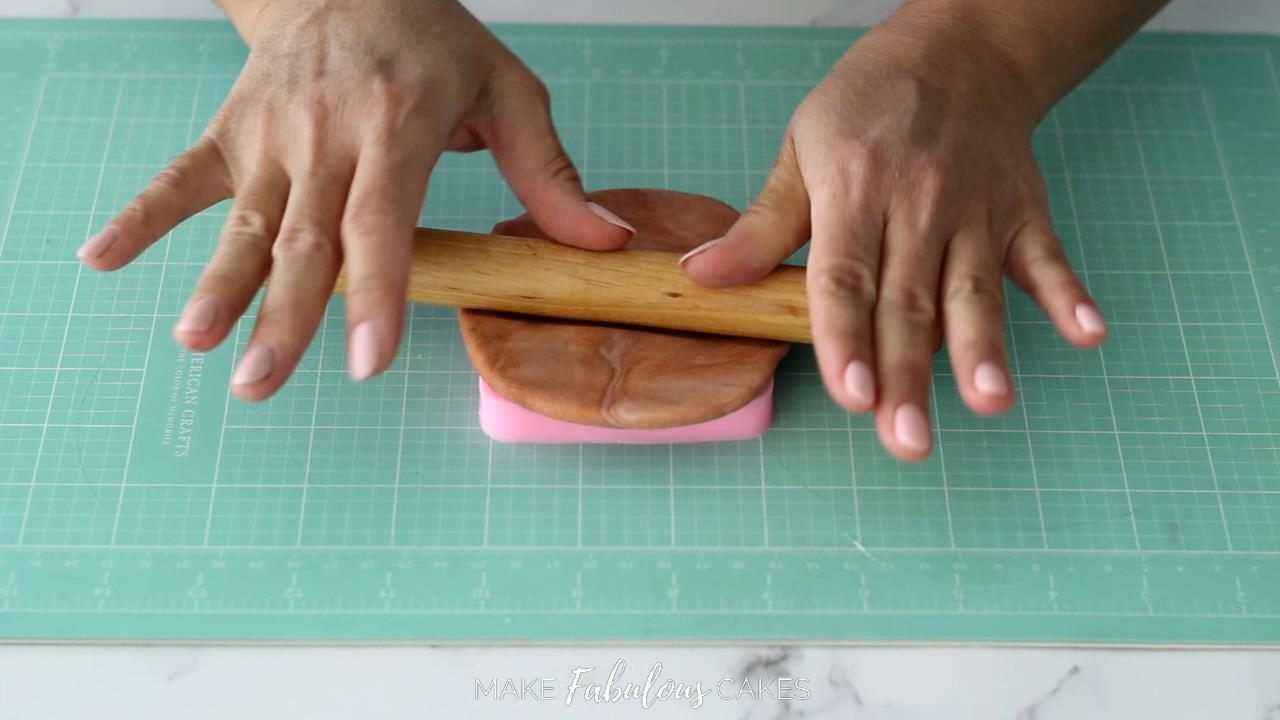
point(844, 281)
point(316, 110)
point(537, 89)
point(931, 201)
point(914, 303)
point(387, 106)
point(174, 179)
point(313, 126)
point(303, 242)
point(929, 178)
point(861, 199)
point(394, 104)
point(248, 221)
point(859, 156)
point(764, 205)
point(781, 196)
point(247, 227)
point(866, 177)
point(784, 172)
point(932, 166)
point(137, 212)
point(560, 168)
point(853, 164)
point(926, 217)
point(383, 85)
point(510, 76)
point(220, 126)
point(368, 224)
point(974, 288)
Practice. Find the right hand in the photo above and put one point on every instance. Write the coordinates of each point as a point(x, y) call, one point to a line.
point(326, 142)
point(910, 167)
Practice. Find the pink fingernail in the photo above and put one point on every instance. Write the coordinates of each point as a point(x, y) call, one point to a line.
point(988, 379)
point(95, 246)
point(1090, 319)
point(910, 428)
point(364, 353)
point(700, 249)
point(859, 383)
point(610, 217)
point(255, 364)
point(199, 315)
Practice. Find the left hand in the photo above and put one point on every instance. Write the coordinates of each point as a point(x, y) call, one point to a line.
point(910, 165)
point(327, 141)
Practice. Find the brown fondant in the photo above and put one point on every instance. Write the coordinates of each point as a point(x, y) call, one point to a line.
point(615, 376)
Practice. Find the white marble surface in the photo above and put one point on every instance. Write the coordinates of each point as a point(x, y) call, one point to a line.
point(856, 683)
point(73, 681)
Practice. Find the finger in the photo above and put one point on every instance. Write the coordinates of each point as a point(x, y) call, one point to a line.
point(773, 226)
point(240, 261)
point(305, 259)
point(1036, 262)
point(972, 307)
point(906, 309)
point(842, 275)
point(524, 144)
point(190, 183)
point(377, 242)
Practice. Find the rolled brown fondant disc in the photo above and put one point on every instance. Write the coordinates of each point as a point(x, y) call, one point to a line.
point(616, 376)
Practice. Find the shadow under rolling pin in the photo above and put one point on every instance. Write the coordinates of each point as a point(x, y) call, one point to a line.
point(630, 287)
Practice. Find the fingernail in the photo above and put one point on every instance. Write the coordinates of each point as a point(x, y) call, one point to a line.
point(1090, 319)
point(363, 353)
point(610, 217)
point(700, 249)
point(97, 245)
point(254, 365)
point(199, 314)
point(989, 379)
point(910, 427)
point(859, 383)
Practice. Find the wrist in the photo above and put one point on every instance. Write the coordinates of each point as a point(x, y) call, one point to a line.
point(1046, 47)
point(244, 15)
point(1010, 44)
point(948, 50)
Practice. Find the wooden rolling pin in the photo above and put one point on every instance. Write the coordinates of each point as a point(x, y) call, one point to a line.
point(631, 287)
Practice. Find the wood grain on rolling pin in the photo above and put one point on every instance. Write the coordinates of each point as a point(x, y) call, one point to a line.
point(633, 287)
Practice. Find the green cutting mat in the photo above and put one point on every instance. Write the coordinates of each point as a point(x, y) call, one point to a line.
point(1133, 495)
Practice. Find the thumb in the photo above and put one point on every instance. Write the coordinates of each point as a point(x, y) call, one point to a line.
point(773, 226)
point(524, 144)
